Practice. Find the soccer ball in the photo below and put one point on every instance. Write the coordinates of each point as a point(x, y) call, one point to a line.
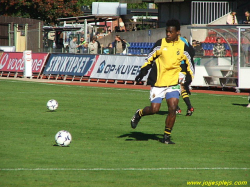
point(52, 104)
point(63, 138)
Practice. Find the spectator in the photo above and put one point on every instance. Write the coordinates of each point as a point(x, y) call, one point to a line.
point(98, 43)
point(219, 49)
point(51, 39)
point(232, 19)
point(93, 46)
point(199, 51)
point(193, 43)
point(60, 44)
point(97, 35)
point(247, 18)
point(108, 49)
point(119, 45)
point(85, 48)
point(73, 46)
point(81, 45)
point(109, 32)
point(82, 41)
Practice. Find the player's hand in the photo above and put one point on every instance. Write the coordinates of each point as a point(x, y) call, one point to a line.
point(138, 78)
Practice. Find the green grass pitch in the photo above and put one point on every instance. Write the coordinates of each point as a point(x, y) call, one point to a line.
point(212, 145)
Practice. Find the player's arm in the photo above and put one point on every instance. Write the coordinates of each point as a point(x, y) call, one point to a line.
point(189, 55)
point(190, 65)
point(150, 60)
point(188, 47)
point(190, 68)
point(189, 72)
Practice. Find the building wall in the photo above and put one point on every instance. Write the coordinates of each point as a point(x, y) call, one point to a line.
point(180, 11)
point(150, 35)
point(34, 38)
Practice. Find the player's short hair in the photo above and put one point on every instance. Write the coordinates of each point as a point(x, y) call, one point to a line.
point(174, 23)
point(94, 38)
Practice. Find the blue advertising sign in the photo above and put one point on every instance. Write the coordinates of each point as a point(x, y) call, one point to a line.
point(70, 64)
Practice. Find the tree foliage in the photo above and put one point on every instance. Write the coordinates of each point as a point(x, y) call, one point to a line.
point(50, 10)
point(129, 6)
point(46, 10)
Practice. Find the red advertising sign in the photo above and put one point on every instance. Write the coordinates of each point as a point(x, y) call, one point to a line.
point(14, 62)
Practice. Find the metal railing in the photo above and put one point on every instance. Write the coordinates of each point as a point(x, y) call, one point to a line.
point(204, 12)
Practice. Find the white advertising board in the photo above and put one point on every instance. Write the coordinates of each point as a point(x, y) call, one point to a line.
point(118, 67)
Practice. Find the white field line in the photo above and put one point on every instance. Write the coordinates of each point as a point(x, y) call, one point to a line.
point(114, 169)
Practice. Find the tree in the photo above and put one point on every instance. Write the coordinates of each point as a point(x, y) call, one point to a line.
point(50, 10)
point(46, 10)
point(130, 5)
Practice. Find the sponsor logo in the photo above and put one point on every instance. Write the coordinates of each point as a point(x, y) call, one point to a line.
point(101, 67)
point(16, 62)
point(70, 64)
point(118, 69)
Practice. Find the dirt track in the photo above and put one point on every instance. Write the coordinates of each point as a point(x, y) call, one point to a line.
point(128, 86)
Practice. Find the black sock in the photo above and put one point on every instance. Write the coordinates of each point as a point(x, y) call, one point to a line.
point(186, 99)
point(188, 103)
point(167, 131)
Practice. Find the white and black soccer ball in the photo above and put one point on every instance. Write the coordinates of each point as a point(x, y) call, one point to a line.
point(52, 104)
point(63, 138)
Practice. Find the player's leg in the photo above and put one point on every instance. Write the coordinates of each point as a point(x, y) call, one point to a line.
point(182, 77)
point(172, 101)
point(178, 110)
point(186, 99)
point(156, 96)
point(148, 110)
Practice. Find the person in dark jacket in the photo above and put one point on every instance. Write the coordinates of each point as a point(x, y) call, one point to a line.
point(119, 45)
point(247, 18)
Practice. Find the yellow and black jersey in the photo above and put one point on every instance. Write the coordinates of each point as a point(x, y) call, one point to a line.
point(191, 52)
point(164, 60)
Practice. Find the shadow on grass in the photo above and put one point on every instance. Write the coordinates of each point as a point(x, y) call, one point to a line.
point(243, 105)
point(59, 145)
point(139, 136)
point(162, 112)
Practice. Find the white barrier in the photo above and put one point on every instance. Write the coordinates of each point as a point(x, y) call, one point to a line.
point(27, 57)
point(8, 48)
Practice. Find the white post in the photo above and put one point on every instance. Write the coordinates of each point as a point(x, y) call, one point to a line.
point(27, 58)
point(86, 30)
point(239, 41)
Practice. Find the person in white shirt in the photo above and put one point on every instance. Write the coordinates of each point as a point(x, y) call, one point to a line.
point(51, 38)
point(73, 45)
point(93, 46)
point(232, 19)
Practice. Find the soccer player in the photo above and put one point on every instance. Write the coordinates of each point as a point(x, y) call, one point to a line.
point(185, 80)
point(164, 60)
